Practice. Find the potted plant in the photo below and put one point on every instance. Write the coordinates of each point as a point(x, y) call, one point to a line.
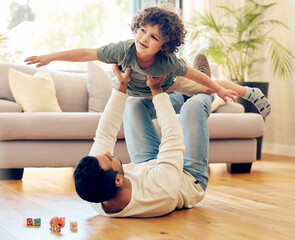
point(235, 41)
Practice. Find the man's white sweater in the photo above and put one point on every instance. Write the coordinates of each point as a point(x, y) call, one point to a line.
point(158, 186)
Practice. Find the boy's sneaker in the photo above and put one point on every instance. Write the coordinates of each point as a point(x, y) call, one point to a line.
point(201, 63)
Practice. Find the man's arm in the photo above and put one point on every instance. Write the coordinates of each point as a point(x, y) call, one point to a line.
point(170, 156)
point(111, 119)
point(75, 55)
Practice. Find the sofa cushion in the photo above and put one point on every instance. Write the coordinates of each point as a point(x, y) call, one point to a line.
point(83, 125)
point(71, 91)
point(5, 92)
point(232, 107)
point(34, 93)
point(99, 86)
point(217, 103)
point(54, 125)
point(232, 125)
point(9, 106)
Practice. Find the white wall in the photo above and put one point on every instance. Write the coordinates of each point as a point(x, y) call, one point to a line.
point(279, 135)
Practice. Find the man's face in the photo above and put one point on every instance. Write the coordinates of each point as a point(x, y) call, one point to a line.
point(148, 40)
point(107, 161)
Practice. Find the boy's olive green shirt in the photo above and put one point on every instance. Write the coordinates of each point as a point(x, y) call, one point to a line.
point(124, 54)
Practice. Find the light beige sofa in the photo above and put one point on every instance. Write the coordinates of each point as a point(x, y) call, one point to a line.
point(61, 139)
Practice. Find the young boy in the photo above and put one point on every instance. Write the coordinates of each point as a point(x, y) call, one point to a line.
point(158, 34)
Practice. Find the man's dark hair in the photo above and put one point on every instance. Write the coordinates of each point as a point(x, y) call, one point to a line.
point(170, 25)
point(93, 183)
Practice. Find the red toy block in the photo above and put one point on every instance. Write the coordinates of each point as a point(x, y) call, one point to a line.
point(29, 221)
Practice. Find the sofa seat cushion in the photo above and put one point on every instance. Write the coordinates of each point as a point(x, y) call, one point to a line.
point(42, 125)
point(232, 125)
point(53, 125)
point(9, 106)
point(232, 107)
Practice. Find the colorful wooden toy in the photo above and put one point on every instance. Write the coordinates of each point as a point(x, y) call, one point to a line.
point(37, 221)
point(74, 226)
point(29, 221)
point(64, 220)
point(56, 224)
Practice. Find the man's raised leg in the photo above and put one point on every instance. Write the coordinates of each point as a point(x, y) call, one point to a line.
point(193, 120)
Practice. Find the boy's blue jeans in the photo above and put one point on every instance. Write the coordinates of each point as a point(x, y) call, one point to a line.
point(143, 140)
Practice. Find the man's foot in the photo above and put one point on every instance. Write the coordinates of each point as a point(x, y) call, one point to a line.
point(255, 96)
point(201, 63)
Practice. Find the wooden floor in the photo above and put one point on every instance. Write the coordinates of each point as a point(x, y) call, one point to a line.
point(259, 205)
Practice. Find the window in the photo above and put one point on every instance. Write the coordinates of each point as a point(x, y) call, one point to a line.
point(139, 4)
point(33, 27)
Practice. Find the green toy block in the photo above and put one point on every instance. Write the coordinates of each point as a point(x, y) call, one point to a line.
point(37, 221)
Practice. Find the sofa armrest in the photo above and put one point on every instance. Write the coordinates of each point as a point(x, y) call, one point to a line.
point(9, 106)
point(231, 107)
point(235, 125)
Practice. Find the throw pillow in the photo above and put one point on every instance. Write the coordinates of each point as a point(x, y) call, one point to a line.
point(216, 103)
point(99, 86)
point(71, 90)
point(34, 93)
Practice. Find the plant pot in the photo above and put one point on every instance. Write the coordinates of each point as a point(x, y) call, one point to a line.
point(250, 107)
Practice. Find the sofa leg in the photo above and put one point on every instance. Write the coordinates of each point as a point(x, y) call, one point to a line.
point(11, 173)
point(239, 167)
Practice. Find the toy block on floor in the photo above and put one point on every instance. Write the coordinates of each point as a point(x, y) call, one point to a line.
point(29, 222)
point(37, 221)
point(74, 226)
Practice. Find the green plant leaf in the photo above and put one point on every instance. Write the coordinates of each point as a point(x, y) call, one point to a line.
point(236, 39)
point(281, 60)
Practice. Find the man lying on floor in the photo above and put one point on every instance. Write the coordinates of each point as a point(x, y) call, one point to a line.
point(147, 189)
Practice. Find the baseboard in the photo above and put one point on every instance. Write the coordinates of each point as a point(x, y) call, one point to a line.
point(278, 149)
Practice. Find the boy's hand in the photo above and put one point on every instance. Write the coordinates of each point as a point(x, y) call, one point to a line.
point(227, 93)
point(123, 78)
point(155, 83)
point(39, 60)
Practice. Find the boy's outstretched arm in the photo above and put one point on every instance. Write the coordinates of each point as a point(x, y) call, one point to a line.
point(204, 80)
point(74, 55)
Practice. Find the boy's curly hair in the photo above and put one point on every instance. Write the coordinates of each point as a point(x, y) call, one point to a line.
point(170, 25)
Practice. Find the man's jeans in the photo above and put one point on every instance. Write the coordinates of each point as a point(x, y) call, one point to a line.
point(143, 140)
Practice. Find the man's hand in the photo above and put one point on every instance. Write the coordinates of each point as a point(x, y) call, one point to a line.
point(227, 93)
point(39, 60)
point(123, 78)
point(154, 83)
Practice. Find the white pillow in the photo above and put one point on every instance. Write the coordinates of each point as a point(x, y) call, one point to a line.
point(34, 93)
point(99, 86)
point(219, 102)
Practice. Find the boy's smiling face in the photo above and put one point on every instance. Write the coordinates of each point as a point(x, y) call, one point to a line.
point(148, 40)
